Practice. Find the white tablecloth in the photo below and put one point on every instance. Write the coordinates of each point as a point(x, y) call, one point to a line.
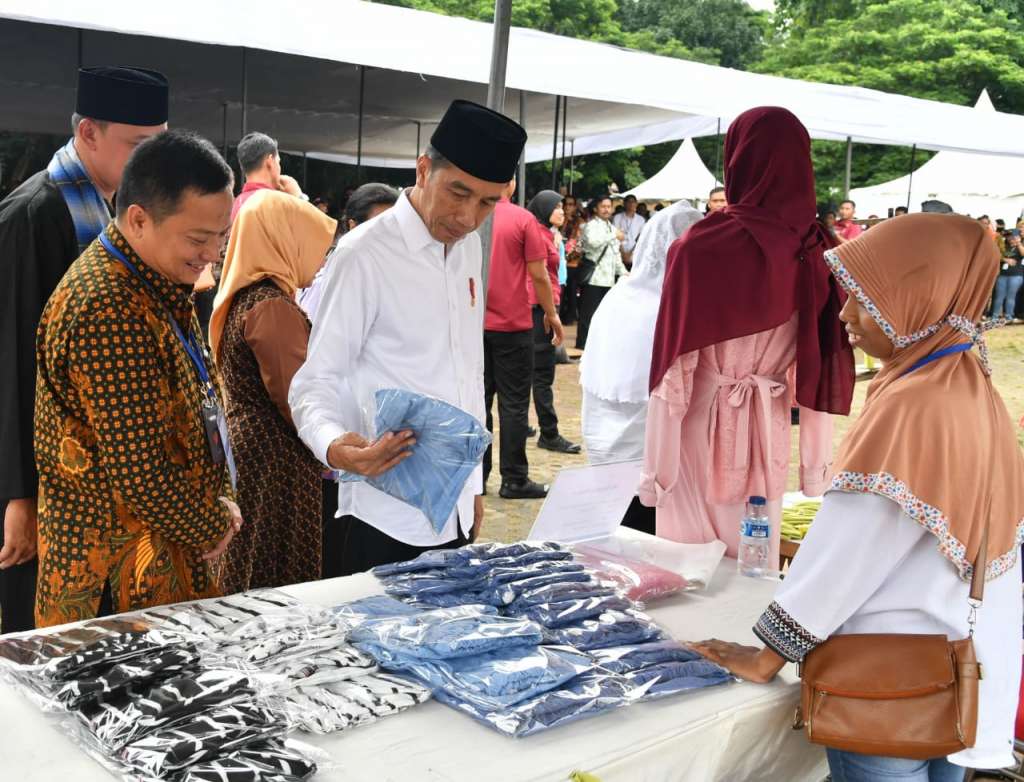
point(740, 732)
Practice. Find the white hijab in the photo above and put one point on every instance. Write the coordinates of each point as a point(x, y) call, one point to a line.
point(616, 365)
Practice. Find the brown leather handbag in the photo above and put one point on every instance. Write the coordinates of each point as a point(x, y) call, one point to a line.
point(901, 696)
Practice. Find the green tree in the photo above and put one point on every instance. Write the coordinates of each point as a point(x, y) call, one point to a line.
point(725, 32)
point(946, 50)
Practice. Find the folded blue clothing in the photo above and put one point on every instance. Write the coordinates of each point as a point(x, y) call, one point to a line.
point(568, 612)
point(587, 695)
point(519, 572)
point(670, 678)
point(633, 657)
point(444, 633)
point(428, 560)
point(500, 678)
point(613, 628)
point(537, 550)
point(356, 612)
point(497, 597)
point(429, 583)
point(449, 445)
point(557, 593)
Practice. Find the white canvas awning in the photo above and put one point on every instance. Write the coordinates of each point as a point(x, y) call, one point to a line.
point(683, 176)
point(971, 183)
point(296, 71)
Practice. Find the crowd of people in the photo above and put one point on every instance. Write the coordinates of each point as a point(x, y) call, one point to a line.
point(149, 459)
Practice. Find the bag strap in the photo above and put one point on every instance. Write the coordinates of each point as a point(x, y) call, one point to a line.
point(980, 566)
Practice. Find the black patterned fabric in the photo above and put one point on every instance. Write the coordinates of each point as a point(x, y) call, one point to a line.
point(784, 635)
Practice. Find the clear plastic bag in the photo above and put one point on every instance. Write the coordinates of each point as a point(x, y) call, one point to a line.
point(694, 562)
point(274, 760)
point(613, 628)
point(554, 615)
point(449, 445)
point(638, 579)
point(634, 656)
point(346, 704)
point(444, 633)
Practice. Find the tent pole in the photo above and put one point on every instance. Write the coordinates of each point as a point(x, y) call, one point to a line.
point(495, 102)
point(910, 184)
point(849, 166)
point(419, 133)
point(305, 172)
point(81, 46)
point(245, 90)
point(554, 143)
point(224, 129)
point(718, 151)
point(522, 158)
point(572, 164)
point(565, 119)
point(359, 131)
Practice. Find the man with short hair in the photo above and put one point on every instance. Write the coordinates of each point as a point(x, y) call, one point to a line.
point(403, 307)
point(45, 224)
point(261, 165)
point(519, 252)
point(846, 229)
point(134, 463)
point(899, 211)
point(631, 223)
point(716, 201)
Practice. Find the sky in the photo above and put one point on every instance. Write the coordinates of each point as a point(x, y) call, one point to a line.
point(762, 5)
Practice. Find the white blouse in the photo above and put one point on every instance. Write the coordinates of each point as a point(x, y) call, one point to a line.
point(866, 567)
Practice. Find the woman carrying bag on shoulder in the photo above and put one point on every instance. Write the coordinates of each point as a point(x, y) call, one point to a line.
point(929, 481)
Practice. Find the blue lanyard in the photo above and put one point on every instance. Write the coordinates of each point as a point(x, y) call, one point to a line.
point(190, 344)
point(963, 347)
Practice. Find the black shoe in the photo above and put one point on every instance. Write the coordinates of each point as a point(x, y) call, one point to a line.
point(526, 490)
point(558, 444)
point(531, 432)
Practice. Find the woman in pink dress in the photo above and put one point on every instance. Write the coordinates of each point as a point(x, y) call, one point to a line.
point(747, 296)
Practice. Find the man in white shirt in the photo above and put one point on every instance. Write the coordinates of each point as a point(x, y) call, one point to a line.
point(630, 222)
point(403, 308)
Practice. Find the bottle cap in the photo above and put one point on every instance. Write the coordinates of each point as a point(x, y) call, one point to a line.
point(758, 501)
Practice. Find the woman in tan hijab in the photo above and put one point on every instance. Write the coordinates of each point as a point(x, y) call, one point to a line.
point(259, 336)
point(932, 461)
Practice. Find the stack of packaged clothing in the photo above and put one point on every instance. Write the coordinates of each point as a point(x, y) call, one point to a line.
point(526, 638)
point(207, 690)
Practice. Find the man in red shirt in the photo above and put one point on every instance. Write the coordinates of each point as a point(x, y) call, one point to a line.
point(846, 229)
point(518, 252)
point(260, 163)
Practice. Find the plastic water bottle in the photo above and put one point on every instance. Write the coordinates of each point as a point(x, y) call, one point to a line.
point(755, 539)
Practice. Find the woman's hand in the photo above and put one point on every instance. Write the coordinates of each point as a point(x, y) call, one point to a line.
point(233, 529)
point(746, 662)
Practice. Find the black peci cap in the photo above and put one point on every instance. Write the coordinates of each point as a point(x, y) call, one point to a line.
point(132, 96)
point(481, 142)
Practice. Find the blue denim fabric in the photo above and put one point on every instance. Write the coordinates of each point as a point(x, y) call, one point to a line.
point(428, 560)
point(444, 633)
point(851, 767)
point(614, 628)
point(500, 678)
point(554, 615)
point(625, 659)
point(671, 677)
point(497, 597)
point(414, 585)
point(557, 593)
point(449, 445)
point(587, 695)
point(373, 607)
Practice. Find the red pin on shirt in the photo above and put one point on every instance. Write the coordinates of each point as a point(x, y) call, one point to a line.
point(472, 292)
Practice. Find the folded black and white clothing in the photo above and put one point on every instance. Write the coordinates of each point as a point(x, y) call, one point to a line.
point(206, 737)
point(346, 704)
point(330, 665)
point(267, 761)
point(210, 618)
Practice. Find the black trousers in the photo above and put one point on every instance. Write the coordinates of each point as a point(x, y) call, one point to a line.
point(590, 299)
point(569, 308)
point(333, 531)
point(508, 372)
point(17, 593)
point(365, 546)
point(544, 377)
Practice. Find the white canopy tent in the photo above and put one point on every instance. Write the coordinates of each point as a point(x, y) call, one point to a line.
point(350, 80)
point(683, 176)
point(973, 184)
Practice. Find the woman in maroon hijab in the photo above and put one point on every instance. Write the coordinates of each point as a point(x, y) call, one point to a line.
point(747, 296)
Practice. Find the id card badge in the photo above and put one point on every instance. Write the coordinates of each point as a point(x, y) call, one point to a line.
point(217, 438)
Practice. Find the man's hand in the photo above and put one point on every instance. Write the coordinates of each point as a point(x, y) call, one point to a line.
point(356, 454)
point(553, 326)
point(619, 235)
point(19, 532)
point(290, 186)
point(233, 529)
point(478, 518)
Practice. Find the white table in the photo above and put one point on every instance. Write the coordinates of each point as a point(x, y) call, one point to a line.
point(739, 732)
